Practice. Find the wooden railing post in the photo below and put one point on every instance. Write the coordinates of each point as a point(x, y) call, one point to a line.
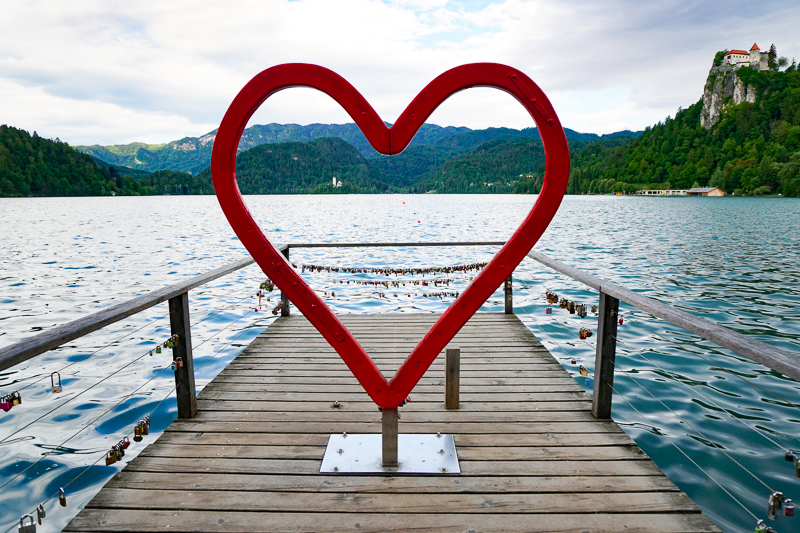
point(184, 376)
point(606, 355)
point(509, 299)
point(284, 299)
point(451, 377)
point(389, 430)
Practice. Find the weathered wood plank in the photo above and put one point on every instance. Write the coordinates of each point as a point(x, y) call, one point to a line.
point(391, 484)
point(99, 520)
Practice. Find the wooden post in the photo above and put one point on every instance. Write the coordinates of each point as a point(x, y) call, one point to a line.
point(284, 299)
point(509, 299)
point(184, 376)
point(606, 355)
point(389, 422)
point(451, 378)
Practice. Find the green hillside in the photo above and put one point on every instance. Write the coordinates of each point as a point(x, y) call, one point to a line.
point(754, 148)
point(33, 166)
point(299, 168)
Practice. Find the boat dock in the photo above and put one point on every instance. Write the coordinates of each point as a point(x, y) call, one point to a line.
point(531, 455)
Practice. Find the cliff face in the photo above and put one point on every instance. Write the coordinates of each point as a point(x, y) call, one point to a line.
point(723, 89)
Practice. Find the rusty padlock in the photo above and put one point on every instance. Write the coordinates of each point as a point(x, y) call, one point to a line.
point(137, 433)
point(111, 457)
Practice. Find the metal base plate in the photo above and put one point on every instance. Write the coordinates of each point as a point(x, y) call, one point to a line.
point(416, 454)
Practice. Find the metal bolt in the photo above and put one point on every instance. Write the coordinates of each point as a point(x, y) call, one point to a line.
point(441, 452)
point(340, 451)
point(335, 468)
point(438, 435)
point(344, 435)
point(443, 469)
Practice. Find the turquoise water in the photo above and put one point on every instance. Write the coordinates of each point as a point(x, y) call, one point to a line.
point(730, 260)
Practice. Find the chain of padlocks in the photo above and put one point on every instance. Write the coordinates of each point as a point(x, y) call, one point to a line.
point(27, 524)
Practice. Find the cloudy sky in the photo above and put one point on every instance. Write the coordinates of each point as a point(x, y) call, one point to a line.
point(113, 72)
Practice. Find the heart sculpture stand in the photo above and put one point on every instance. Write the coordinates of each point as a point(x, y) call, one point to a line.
point(388, 394)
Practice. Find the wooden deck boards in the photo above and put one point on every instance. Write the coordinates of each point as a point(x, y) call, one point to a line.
point(531, 455)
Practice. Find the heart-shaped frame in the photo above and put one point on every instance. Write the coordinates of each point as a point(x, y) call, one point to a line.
point(388, 141)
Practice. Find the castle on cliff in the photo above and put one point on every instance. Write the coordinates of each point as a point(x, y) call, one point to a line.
point(755, 58)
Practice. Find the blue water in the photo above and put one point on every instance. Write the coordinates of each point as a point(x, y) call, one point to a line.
point(730, 260)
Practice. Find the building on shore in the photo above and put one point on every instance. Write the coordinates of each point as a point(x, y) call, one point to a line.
point(661, 192)
point(705, 191)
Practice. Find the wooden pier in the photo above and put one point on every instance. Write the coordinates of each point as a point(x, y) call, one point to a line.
point(532, 456)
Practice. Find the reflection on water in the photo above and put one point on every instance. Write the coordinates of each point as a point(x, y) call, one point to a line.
point(730, 260)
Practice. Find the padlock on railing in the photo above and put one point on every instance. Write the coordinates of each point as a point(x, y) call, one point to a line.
point(125, 443)
point(137, 433)
point(177, 363)
point(158, 349)
point(146, 426)
point(5, 403)
point(548, 310)
point(111, 457)
point(40, 513)
point(27, 528)
point(62, 497)
point(53, 386)
point(788, 508)
point(16, 399)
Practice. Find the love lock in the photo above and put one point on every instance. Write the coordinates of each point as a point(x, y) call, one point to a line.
point(177, 363)
point(53, 386)
point(137, 433)
point(16, 399)
point(40, 513)
point(62, 497)
point(111, 458)
point(5, 403)
point(788, 508)
point(27, 528)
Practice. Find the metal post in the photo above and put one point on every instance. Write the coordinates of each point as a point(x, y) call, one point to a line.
point(451, 378)
point(184, 376)
point(606, 354)
point(284, 299)
point(508, 293)
point(389, 421)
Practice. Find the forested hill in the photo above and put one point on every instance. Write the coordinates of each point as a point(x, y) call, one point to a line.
point(753, 149)
point(298, 168)
point(33, 166)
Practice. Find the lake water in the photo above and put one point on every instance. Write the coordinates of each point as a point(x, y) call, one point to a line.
point(731, 260)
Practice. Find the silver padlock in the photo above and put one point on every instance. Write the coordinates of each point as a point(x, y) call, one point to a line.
point(29, 528)
point(40, 513)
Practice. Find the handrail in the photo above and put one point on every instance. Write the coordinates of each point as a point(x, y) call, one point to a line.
point(392, 244)
point(31, 347)
point(784, 362)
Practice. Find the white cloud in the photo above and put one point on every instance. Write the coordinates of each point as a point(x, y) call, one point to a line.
point(115, 71)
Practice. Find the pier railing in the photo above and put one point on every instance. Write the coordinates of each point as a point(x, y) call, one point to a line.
point(610, 295)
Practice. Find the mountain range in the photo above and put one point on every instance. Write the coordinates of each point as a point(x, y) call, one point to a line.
point(432, 146)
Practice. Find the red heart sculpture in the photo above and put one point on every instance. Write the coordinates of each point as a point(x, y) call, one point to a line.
point(388, 141)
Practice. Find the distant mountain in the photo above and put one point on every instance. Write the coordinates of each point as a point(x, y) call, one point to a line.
point(193, 154)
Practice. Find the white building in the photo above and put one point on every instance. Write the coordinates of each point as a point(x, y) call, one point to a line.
point(755, 58)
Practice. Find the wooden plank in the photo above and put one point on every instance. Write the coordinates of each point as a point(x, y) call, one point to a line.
point(207, 500)
point(100, 520)
point(532, 456)
point(404, 484)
